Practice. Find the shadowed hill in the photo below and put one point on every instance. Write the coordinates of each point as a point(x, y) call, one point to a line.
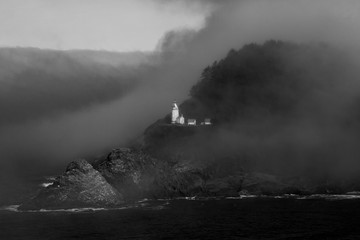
point(274, 79)
point(280, 107)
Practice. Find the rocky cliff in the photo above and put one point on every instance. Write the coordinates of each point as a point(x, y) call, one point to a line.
point(80, 186)
point(127, 175)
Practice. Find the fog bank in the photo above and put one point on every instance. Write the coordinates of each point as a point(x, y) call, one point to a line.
point(175, 66)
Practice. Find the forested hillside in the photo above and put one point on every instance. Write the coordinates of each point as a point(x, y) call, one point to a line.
point(278, 107)
point(273, 79)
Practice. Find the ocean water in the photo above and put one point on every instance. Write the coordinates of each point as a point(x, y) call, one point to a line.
point(283, 217)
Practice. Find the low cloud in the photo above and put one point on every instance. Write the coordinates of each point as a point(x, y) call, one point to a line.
point(110, 121)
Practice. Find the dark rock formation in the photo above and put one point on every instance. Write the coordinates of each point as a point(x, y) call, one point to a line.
point(178, 179)
point(259, 183)
point(129, 175)
point(130, 171)
point(136, 175)
point(80, 186)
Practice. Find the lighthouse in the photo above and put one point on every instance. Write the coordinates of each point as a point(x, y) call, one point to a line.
point(174, 113)
point(178, 119)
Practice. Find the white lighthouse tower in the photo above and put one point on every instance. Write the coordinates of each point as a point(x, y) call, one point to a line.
point(175, 113)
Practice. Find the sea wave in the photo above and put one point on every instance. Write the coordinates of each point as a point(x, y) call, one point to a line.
point(46, 184)
point(15, 208)
point(301, 197)
point(197, 198)
point(140, 205)
point(153, 204)
point(330, 197)
point(11, 208)
point(347, 196)
point(48, 181)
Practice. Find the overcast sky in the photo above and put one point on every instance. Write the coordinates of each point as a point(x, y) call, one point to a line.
point(121, 25)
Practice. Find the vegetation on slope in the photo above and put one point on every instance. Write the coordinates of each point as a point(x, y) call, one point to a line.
point(279, 107)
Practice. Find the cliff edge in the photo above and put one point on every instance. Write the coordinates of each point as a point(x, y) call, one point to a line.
point(80, 186)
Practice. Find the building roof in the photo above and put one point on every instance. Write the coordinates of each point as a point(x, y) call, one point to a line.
point(175, 106)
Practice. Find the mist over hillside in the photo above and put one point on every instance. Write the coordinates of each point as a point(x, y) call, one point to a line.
point(281, 108)
point(37, 83)
point(40, 89)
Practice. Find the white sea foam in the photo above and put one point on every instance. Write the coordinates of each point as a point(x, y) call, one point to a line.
point(196, 198)
point(191, 198)
point(353, 193)
point(164, 199)
point(309, 197)
point(330, 197)
point(46, 184)
point(49, 181)
point(11, 208)
point(73, 210)
point(248, 196)
point(14, 208)
point(144, 203)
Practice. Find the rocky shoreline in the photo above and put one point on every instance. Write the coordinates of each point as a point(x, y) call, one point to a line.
point(129, 175)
